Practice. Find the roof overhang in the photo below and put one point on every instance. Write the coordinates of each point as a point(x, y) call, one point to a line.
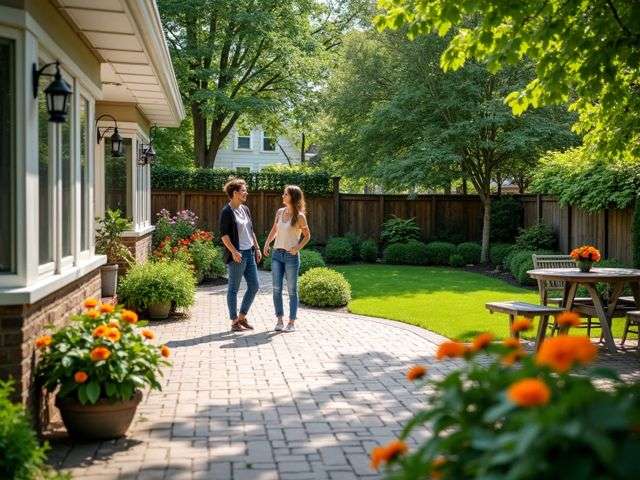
point(127, 37)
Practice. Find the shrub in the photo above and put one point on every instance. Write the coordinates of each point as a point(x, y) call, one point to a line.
point(109, 237)
point(520, 261)
point(449, 234)
point(409, 253)
point(498, 252)
point(636, 234)
point(540, 236)
point(505, 412)
point(323, 287)
point(207, 260)
point(158, 282)
point(308, 259)
point(338, 250)
point(369, 251)
point(438, 253)
point(470, 252)
point(356, 242)
point(506, 218)
point(178, 227)
point(457, 260)
point(399, 230)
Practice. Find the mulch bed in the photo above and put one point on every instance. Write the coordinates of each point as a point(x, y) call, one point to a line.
point(505, 276)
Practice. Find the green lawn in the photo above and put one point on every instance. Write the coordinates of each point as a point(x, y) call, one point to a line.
point(444, 300)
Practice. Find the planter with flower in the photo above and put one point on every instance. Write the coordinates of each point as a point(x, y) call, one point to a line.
point(508, 414)
point(585, 257)
point(97, 367)
point(109, 243)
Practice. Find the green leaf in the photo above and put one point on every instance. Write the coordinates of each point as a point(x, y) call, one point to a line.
point(93, 391)
point(82, 394)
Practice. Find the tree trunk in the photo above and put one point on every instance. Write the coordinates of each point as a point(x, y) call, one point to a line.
point(199, 135)
point(214, 146)
point(465, 188)
point(499, 182)
point(302, 149)
point(486, 227)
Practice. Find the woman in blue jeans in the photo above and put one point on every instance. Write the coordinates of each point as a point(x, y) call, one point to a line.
point(289, 226)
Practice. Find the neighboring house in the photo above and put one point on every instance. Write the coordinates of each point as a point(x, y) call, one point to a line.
point(56, 174)
point(250, 150)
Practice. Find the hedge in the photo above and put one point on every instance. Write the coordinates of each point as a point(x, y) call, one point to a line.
point(412, 252)
point(439, 253)
point(338, 250)
point(470, 252)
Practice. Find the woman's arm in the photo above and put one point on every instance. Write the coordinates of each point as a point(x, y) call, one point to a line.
point(272, 235)
point(237, 256)
point(306, 235)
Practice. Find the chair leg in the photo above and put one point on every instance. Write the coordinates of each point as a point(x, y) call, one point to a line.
point(589, 327)
point(627, 324)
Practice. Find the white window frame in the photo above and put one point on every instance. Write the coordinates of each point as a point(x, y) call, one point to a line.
point(275, 143)
point(237, 138)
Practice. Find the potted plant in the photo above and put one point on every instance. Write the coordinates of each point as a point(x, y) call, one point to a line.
point(156, 286)
point(585, 257)
point(97, 366)
point(109, 243)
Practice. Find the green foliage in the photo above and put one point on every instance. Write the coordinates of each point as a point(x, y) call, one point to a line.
point(604, 289)
point(636, 234)
point(576, 178)
point(438, 253)
point(412, 252)
point(165, 177)
point(519, 262)
point(174, 146)
point(457, 260)
point(338, 250)
point(540, 236)
point(158, 282)
point(323, 287)
point(448, 232)
point(399, 230)
point(470, 252)
point(308, 259)
point(518, 256)
point(369, 251)
point(108, 237)
point(499, 251)
point(356, 242)
point(506, 218)
point(207, 260)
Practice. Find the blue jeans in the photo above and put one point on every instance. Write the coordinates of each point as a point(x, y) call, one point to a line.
point(248, 269)
point(283, 263)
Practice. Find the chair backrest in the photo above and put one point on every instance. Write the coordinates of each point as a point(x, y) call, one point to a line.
point(553, 261)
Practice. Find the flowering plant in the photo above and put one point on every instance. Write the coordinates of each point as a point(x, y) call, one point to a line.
point(507, 414)
point(586, 253)
point(197, 250)
point(105, 353)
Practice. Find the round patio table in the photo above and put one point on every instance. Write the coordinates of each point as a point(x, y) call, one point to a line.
point(617, 278)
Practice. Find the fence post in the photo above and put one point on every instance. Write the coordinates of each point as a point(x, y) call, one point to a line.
point(539, 208)
point(336, 205)
point(605, 253)
point(181, 200)
point(569, 223)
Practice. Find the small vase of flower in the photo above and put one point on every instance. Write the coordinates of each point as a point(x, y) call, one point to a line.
point(585, 257)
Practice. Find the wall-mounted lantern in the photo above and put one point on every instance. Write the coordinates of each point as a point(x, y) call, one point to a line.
point(58, 92)
point(116, 139)
point(148, 152)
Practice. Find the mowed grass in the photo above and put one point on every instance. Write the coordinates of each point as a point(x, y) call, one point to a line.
point(447, 301)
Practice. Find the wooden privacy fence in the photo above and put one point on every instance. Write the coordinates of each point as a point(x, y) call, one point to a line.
point(338, 214)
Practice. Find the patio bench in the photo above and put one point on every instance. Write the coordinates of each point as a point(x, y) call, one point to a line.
point(523, 309)
point(633, 320)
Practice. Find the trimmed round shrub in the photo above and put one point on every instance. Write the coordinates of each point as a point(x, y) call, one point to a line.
point(537, 237)
point(470, 252)
point(521, 272)
point(323, 287)
point(516, 258)
point(356, 243)
point(498, 252)
point(457, 260)
point(412, 252)
point(393, 254)
point(439, 253)
point(308, 259)
point(369, 251)
point(338, 250)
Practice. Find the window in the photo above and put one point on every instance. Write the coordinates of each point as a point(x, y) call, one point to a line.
point(268, 143)
point(116, 176)
point(243, 139)
point(85, 220)
point(7, 156)
point(45, 177)
point(67, 176)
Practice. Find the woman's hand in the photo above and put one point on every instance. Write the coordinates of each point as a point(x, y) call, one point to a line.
point(237, 256)
point(258, 255)
point(266, 250)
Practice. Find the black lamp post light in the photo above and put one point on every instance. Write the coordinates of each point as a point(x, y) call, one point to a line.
point(58, 92)
point(116, 140)
point(148, 152)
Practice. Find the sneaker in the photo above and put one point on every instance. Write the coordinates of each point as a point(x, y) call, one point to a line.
point(290, 327)
point(279, 326)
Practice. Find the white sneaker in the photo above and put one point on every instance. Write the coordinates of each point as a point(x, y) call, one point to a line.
point(279, 326)
point(290, 327)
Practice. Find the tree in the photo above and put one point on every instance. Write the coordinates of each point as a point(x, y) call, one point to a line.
point(585, 52)
point(397, 118)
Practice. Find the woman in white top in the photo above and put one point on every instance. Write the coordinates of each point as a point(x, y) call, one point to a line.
point(289, 225)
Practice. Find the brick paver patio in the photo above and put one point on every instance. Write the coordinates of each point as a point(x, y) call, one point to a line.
point(266, 405)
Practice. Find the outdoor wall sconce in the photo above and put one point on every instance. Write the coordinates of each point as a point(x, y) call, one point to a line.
point(58, 92)
point(148, 152)
point(116, 139)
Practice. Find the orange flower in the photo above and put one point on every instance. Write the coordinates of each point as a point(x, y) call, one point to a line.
point(80, 377)
point(521, 324)
point(436, 465)
point(416, 372)
point(562, 352)
point(100, 353)
point(165, 351)
point(44, 341)
point(386, 453)
point(513, 357)
point(90, 302)
point(586, 252)
point(113, 334)
point(148, 334)
point(114, 323)
point(100, 331)
point(511, 342)
point(482, 341)
point(92, 313)
point(129, 316)
point(568, 319)
point(529, 392)
point(450, 349)
point(106, 308)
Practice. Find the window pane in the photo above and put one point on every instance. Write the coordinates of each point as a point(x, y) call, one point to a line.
point(66, 172)
point(115, 177)
point(244, 142)
point(84, 174)
point(7, 156)
point(44, 172)
point(268, 144)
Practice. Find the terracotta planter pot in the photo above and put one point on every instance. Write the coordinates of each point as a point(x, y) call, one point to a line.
point(103, 421)
point(159, 311)
point(109, 279)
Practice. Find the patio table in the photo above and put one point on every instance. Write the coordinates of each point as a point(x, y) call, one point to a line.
point(617, 278)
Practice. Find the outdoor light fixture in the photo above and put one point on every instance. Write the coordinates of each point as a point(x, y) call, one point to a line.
point(116, 139)
point(58, 92)
point(148, 152)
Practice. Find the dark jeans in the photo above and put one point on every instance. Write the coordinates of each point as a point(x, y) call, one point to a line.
point(248, 269)
point(284, 264)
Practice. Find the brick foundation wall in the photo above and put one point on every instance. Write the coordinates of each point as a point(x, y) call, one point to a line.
point(140, 248)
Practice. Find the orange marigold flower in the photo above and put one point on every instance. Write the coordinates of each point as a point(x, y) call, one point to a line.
point(513, 357)
point(386, 453)
point(44, 341)
point(80, 377)
point(416, 372)
point(107, 308)
point(113, 334)
point(450, 349)
point(148, 334)
point(511, 342)
point(482, 341)
point(529, 392)
point(129, 316)
point(562, 352)
point(165, 351)
point(100, 353)
point(521, 324)
point(92, 313)
point(90, 302)
point(100, 331)
point(568, 319)
point(114, 323)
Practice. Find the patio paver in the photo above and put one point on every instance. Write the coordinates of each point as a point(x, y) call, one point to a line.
point(266, 405)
